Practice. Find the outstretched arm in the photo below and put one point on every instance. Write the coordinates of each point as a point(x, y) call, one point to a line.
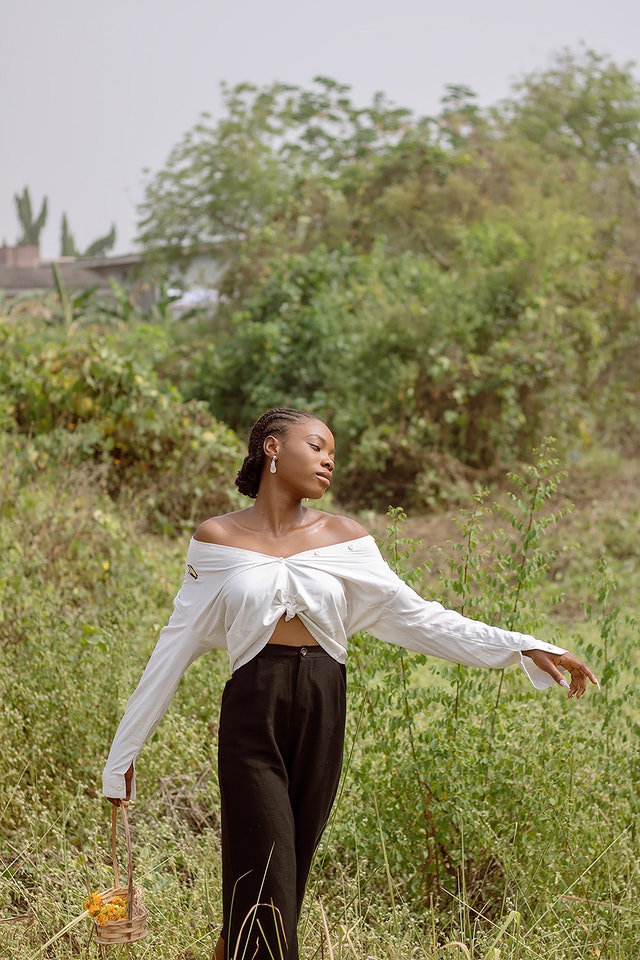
point(389, 609)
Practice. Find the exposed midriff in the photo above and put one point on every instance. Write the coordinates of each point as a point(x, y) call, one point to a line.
point(292, 633)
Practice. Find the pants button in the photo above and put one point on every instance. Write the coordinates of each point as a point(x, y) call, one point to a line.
point(303, 651)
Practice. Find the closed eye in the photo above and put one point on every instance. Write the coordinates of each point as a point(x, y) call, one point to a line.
point(319, 447)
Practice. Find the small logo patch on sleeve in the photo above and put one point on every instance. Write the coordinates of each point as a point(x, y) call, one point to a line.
point(192, 572)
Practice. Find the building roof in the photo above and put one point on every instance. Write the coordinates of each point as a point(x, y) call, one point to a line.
point(109, 261)
point(74, 276)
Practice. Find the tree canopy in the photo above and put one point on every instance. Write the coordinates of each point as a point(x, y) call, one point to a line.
point(464, 283)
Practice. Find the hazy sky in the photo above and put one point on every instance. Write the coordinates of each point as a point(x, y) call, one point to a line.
point(92, 94)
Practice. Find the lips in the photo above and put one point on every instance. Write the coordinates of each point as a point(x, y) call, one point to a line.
point(325, 477)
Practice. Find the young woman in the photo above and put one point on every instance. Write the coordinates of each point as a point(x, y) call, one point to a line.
point(282, 587)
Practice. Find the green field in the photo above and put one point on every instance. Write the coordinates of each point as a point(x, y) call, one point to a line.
point(477, 817)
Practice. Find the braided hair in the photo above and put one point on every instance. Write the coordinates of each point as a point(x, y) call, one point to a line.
point(273, 423)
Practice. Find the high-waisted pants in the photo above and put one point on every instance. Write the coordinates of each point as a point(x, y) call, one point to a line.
point(280, 747)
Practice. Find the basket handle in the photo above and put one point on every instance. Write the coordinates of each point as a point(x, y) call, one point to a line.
point(114, 854)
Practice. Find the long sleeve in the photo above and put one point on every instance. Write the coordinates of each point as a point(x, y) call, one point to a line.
point(390, 610)
point(194, 628)
point(427, 627)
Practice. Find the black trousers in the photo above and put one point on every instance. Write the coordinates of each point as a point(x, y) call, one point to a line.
point(280, 748)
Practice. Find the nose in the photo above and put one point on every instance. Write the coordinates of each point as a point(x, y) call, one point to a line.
point(328, 462)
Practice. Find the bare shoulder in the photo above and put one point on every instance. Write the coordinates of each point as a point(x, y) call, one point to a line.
point(218, 529)
point(344, 528)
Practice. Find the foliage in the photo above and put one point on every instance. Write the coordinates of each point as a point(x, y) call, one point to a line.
point(98, 248)
point(463, 284)
point(481, 791)
point(67, 241)
point(447, 292)
point(420, 382)
point(463, 818)
point(72, 303)
point(277, 163)
point(102, 245)
point(583, 106)
point(220, 180)
point(76, 398)
point(32, 226)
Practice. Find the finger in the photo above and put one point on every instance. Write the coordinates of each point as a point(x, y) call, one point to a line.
point(589, 673)
point(584, 669)
point(578, 684)
point(579, 673)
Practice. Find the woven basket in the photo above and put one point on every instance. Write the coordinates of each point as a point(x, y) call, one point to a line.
point(134, 926)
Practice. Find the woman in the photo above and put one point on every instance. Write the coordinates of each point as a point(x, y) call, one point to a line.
point(281, 587)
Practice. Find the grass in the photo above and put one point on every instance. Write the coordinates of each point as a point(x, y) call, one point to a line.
point(439, 847)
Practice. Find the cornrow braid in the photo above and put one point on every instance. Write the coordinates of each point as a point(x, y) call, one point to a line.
point(273, 423)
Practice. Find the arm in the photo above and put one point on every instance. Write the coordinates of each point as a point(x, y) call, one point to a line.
point(174, 652)
point(195, 626)
point(390, 610)
point(427, 627)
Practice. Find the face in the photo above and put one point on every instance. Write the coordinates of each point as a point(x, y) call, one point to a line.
point(306, 458)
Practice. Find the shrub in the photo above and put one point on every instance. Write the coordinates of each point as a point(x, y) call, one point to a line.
point(81, 400)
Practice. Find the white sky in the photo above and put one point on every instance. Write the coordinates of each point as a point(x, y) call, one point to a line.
point(92, 94)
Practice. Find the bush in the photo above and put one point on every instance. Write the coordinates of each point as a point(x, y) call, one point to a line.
point(426, 376)
point(80, 399)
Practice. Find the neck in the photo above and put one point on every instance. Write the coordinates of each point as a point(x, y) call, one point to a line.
point(275, 515)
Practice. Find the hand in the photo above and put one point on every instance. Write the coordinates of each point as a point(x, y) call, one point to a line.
point(555, 663)
point(118, 801)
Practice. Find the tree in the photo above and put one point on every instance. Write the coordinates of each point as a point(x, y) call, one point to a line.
point(98, 248)
point(222, 180)
point(286, 163)
point(67, 243)
point(102, 245)
point(585, 105)
point(31, 227)
point(456, 286)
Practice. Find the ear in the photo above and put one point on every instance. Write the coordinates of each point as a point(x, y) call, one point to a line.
point(271, 446)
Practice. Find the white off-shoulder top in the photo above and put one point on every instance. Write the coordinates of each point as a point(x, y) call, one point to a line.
point(232, 598)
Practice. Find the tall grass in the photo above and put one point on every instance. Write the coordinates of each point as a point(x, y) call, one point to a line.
point(476, 818)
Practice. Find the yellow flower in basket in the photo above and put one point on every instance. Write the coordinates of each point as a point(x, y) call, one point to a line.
point(118, 913)
point(101, 912)
point(93, 904)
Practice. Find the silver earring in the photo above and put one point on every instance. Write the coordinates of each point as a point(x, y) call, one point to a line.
point(272, 468)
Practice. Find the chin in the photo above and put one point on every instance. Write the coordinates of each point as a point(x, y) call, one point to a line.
point(315, 494)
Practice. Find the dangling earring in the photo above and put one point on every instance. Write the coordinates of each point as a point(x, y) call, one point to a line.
point(272, 468)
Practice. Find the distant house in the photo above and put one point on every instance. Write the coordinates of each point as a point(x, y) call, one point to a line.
point(22, 271)
point(196, 285)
